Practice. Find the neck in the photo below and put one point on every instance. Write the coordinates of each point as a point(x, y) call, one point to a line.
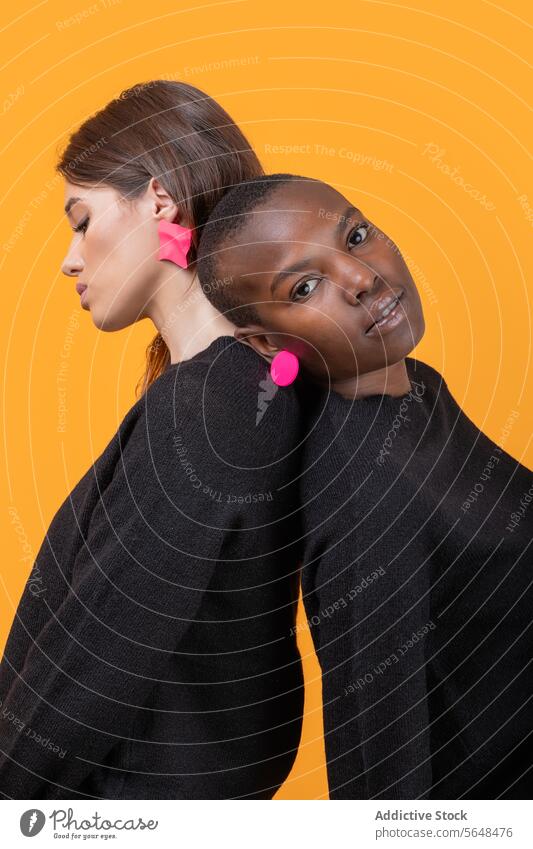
point(391, 380)
point(184, 317)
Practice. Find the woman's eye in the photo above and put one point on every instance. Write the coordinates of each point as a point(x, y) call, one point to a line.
point(305, 288)
point(82, 226)
point(359, 234)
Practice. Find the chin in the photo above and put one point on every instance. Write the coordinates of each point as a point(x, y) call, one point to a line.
point(109, 322)
point(106, 323)
point(397, 349)
point(412, 333)
point(418, 332)
point(422, 329)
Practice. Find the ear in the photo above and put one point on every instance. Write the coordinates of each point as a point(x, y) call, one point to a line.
point(254, 335)
point(163, 206)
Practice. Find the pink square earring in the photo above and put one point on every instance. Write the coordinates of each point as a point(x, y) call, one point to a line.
point(174, 242)
point(284, 368)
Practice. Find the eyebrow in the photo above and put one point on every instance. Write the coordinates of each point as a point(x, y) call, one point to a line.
point(344, 219)
point(340, 226)
point(298, 266)
point(70, 203)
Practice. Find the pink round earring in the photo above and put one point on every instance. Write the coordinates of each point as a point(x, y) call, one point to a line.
point(174, 242)
point(284, 368)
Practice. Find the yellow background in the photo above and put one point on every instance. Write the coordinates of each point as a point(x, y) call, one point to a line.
point(365, 86)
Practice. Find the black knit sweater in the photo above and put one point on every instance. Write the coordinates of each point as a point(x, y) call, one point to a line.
point(151, 654)
point(417, 583)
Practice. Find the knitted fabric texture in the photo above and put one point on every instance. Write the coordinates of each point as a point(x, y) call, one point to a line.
point(152, 654)
point(417, 582)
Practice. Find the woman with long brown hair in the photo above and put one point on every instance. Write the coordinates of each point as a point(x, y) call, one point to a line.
point(155, 657)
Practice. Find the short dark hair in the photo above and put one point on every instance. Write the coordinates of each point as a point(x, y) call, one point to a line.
point(229, 217)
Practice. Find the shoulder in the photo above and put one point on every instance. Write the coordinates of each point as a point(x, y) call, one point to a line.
point(225, 399)
point(421, 372)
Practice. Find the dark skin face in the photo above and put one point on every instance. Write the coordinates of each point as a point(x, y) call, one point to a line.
point(320, 275)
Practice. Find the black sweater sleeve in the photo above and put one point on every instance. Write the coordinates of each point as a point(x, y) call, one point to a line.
point(154, 538)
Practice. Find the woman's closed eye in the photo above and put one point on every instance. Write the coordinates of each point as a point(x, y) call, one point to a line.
point(82, 226)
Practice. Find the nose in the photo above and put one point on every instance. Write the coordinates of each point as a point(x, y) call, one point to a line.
point(73, 262)
point(355, 279)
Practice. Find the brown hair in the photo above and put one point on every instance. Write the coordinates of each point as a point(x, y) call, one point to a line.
point(171, 131)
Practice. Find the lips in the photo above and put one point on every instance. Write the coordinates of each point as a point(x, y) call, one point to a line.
point(80, 288)
point(383, 305)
